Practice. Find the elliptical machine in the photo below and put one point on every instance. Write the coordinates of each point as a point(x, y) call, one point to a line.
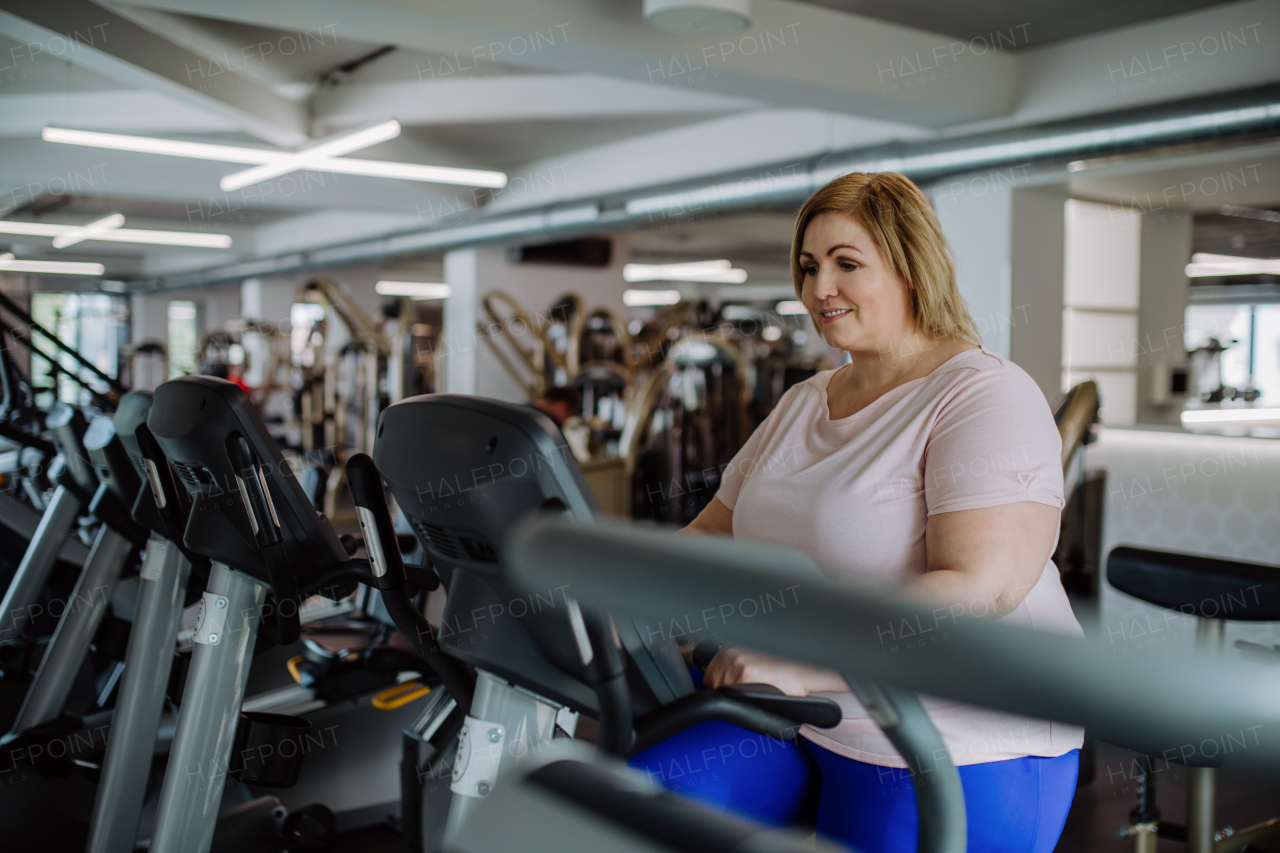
point(250, 519)
point(163, 592)
point(464, 471)
point(117, 541)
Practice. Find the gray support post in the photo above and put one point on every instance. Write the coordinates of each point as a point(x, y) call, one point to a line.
point(1202, 782)
point(80, 620)
point(1201, 805)
point(37, 562)
point(210, 712)
point(505, 724)
point(131, 743)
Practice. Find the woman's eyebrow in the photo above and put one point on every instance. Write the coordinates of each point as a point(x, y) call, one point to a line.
point(807, 254)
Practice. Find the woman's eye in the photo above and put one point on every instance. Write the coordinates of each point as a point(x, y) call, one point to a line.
point(810, 270)
point(848, 266)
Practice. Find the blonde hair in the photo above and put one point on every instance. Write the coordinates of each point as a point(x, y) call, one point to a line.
point(901, 221)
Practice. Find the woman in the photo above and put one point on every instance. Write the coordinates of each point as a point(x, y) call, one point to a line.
point(927, 465)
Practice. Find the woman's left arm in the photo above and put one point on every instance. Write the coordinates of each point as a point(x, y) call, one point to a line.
point(986, 560)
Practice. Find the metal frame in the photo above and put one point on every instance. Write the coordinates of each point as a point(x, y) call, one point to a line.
point(33, 572)
point(210, 711)
point(134, 727)
point(79, 622)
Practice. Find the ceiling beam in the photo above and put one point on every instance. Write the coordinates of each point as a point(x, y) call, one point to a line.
point(512, 98)
point(794, 54)
point(98, 39)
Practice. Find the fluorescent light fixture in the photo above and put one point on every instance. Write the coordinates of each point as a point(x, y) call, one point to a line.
point(792, 306)
point(265, 156)
point(1224, 416)
point(87, 232)
point(637, 298)
point(1204, 264)
point(714, 271)
point(334, 146)
point(121, 235)
point(414, 289)
point(10, 264)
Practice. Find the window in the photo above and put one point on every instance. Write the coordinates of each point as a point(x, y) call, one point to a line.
point(184, 338)
point(90, 323)
point(1100, 306)
point(1251, 336)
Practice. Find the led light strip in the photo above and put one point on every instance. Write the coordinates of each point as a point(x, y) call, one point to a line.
point(120, 235)
point(10, 264)
point(88, 232)
point(1204, 264)
point(281, 162)
point(720, 271)
point(1211, 416)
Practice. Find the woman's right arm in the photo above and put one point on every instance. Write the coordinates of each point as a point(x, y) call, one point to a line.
point(715, 518)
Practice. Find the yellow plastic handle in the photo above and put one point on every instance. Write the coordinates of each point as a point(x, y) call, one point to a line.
point(293, 665)
point(401, 694)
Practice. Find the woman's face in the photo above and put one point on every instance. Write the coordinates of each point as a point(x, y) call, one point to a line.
point(857, 302)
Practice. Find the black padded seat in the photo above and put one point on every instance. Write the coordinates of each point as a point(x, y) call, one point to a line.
point(1198, 586)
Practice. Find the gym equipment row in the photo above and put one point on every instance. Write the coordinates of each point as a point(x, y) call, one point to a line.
point(224, 522)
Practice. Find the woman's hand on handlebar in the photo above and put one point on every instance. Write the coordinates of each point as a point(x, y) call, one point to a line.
point(744, 666)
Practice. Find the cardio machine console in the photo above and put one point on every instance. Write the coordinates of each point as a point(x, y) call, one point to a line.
point(196, 419)
point(465, 471)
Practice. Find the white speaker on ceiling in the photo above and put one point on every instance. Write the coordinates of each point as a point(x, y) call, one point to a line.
point(699, 17)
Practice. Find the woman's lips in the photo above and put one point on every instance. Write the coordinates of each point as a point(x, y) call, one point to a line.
point(828, 317)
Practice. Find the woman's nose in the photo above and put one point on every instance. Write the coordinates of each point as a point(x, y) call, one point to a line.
point(824, 286)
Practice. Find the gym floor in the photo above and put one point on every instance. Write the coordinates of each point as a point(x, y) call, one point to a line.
point(1099, 808)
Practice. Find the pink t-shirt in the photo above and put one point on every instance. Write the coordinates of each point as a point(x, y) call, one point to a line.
point(854, 494)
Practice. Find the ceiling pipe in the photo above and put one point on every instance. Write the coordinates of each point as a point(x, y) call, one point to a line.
point(1219, 119)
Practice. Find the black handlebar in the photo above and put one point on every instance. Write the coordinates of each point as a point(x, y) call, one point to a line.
point(379, 535)
point(270, 541)
point(173, 503)
point(375, 522)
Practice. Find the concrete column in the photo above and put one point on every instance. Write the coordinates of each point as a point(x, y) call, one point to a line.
point(1008, 241)
point(1035, 309)
point(149, 318)
point(1165, 247)
point(978, 225)
point(456, 365)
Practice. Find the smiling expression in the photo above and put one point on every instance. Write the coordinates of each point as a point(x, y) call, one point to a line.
point(856, 300)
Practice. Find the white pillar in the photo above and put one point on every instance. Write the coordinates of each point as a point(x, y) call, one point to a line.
point(1163, 288)
point(1008, 239)
point(977, 220)
point(1037, 258)
point(456, 365)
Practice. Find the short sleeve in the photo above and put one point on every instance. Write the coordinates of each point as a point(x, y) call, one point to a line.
point(994, 443)
point(743, 463)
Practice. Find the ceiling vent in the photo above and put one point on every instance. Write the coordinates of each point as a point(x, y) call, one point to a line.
point(699, 17)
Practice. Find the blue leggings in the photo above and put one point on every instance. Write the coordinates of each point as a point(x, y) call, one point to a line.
point(1014, 806)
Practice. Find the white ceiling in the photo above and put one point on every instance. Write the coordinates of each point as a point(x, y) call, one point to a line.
point(574, 99)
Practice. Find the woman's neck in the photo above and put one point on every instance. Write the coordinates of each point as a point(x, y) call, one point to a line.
point(901, 361)
point(874, 373)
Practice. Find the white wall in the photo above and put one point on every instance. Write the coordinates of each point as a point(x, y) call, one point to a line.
point(1196, 494)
